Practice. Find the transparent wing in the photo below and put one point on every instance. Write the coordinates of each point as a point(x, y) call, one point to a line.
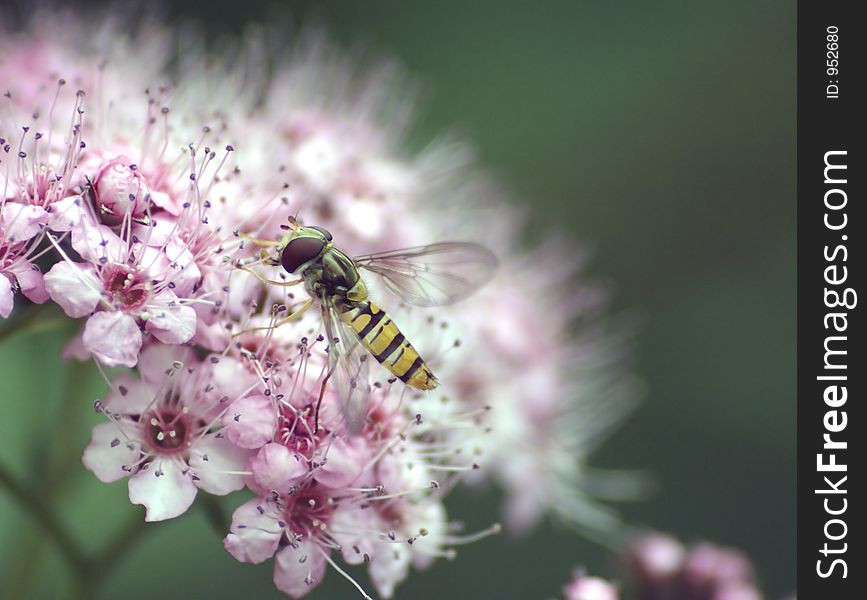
point(348, 367)
point(433, 275)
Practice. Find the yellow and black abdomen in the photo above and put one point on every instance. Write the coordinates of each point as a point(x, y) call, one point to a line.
point(382, 338)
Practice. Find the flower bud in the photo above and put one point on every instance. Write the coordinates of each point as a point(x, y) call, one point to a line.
point(119, 190)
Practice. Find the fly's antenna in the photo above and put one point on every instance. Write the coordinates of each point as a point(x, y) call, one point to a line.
point(293, 222)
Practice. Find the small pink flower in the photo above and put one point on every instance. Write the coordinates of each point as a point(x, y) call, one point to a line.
point(260, 526)
point(165, 440)
point(132, 287)
point(301, 451)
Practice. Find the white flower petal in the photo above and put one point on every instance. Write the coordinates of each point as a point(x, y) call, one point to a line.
point(343, 464)
point(155, 360)
point(6, 296)
point(250, 422)
point(183, 271)
point(276, 468)
point(157, 232)
point(74, 287)
point(218, 464)
point(349, 527)
point(255, 533)
point(113, 338)
point(130, 395)
point(20, 222)
point(31, 282)
point(388, 567)
point(169, 321)
point(68, 214)
point(164, 488)
point(110, 450)
point(298, 570)
point(98, 242)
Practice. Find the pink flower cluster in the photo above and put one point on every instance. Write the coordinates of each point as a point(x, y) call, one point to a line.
point(662, 567)
point(657, 566)
point(128, 190)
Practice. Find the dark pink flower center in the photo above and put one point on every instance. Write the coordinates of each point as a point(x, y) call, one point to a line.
point(307, 509)
point(166, 431)
point(295, 431)
point(126, 287)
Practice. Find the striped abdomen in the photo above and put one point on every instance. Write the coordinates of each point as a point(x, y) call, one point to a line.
point(387, 344)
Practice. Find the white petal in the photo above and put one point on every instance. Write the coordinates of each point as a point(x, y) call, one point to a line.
point(74, 287)
point(130, 395)
point(250, 422)
point(183, 270)
point(218, 464)
point(67, 214)
point(20, 222)
point(169, 321)
point(164, 488)
point(229, 379)
point(428, 514)
point(113, 338)
point(350, 527)
point(388, 567)
point(298, 570)
point(276, 468)
point(154, 262)
point(6, 296)
point(98, 242)
point(255, 533)
point(343, 464)
point(165, 202)
point(155, 359)
point(110, 450)
point(157, 233)
point(31, 282)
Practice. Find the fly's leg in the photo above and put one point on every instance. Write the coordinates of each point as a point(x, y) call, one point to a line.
point(259, 242)
point(291, 317)
point(265, 280)
point(319, 401)
point(328, 332)
point(264, 256)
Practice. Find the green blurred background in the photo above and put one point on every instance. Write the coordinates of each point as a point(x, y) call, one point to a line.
point(662, 136)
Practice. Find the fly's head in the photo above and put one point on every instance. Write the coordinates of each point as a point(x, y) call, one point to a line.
point(301, 246)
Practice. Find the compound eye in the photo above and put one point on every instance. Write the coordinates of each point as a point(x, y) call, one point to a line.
point(299, 251)
point(323, 231)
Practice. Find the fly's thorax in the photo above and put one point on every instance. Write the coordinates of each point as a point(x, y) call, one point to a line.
point(332, 274)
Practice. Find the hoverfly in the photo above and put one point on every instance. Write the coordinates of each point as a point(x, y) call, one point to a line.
point(432, 275)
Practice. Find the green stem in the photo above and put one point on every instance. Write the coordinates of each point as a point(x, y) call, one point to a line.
point(215, 514)
point(19, 323)
point(28, 322)
point(65, 450)
point(120, 545)
point(20, 574)
point(33, 504)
